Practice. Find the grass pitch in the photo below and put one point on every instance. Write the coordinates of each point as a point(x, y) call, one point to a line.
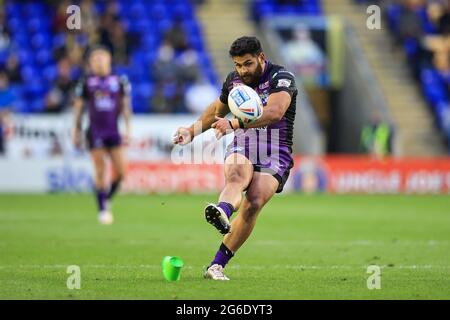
point(303, 247)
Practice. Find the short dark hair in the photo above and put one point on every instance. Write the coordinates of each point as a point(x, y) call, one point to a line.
point(244, 45)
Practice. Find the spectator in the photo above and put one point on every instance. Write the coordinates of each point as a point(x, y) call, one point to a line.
point(168, 98)
point(410, 25)
point(305, 56)
point(376, 138)
point(176, 37)
point(6, 95)
point(164, 68)
point(188, 67)
point(58, 97)
point(442, 65)
point(6, 105)
point(444, 22)
point(76, 45)
point(89, 17)
point(4, 122)
point(200, 95)
point(12, 69)
point(435, 10)
point(60, 18)
point(4, 34)
point(120, 44)
point(107, 22)
point(158, 101)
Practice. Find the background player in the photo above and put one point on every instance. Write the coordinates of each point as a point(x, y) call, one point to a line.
point(244, 169)
point(107, 96)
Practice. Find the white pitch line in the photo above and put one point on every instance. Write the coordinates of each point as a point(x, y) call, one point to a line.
point(330, 243)
point(249, 267)
point(352, 243)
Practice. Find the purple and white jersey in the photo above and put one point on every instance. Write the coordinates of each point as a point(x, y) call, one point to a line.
point(103, 96)
point(274, 78)
point(268, 148)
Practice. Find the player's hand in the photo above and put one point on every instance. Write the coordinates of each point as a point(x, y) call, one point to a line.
point(222, 127)
point(76, 137)
point(182, 136)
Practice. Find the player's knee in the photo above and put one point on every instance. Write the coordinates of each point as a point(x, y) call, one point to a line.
point(235, 178)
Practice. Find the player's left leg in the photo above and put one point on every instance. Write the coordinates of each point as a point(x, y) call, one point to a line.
point(118, 162)
point(260, 191)
point(98, 159)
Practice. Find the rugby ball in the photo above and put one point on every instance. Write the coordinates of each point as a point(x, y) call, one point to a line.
point(245, 103)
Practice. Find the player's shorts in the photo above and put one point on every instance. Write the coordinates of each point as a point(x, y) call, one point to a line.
point(274, 161)
point(107, 142)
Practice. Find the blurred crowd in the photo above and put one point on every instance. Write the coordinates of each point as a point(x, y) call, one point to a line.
point(421, 28)
point(424, 29)
point(174, 71)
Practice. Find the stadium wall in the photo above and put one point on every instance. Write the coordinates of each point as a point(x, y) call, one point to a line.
point(41, 158)
point(341, 175)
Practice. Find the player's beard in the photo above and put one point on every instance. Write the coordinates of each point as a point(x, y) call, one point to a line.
point(253, 79)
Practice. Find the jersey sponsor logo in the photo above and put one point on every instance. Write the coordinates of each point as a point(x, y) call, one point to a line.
point(103, 102)
point(113, 84)
point(264, 85)
point(92, 82)
point(235, 84)
point(284, 83)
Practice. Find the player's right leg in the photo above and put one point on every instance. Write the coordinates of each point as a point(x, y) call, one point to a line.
point(260, 191)
point(238, 174)
point(119, 169)
point(101, 187)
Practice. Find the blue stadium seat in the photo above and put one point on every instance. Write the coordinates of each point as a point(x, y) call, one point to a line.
point(144, 90)
point(27, 73)
point(140, 105)
point(36, 25)
point(20, 106)
point(59, 40)
point(50, 73)
point(394, 12)
point(34, 8)
point(40, 40)
point(44, 57)
point(137, 10)
point(163, 25)
point(13, 9)
point(266, 8)
point(15, 24)
point(36, 105)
